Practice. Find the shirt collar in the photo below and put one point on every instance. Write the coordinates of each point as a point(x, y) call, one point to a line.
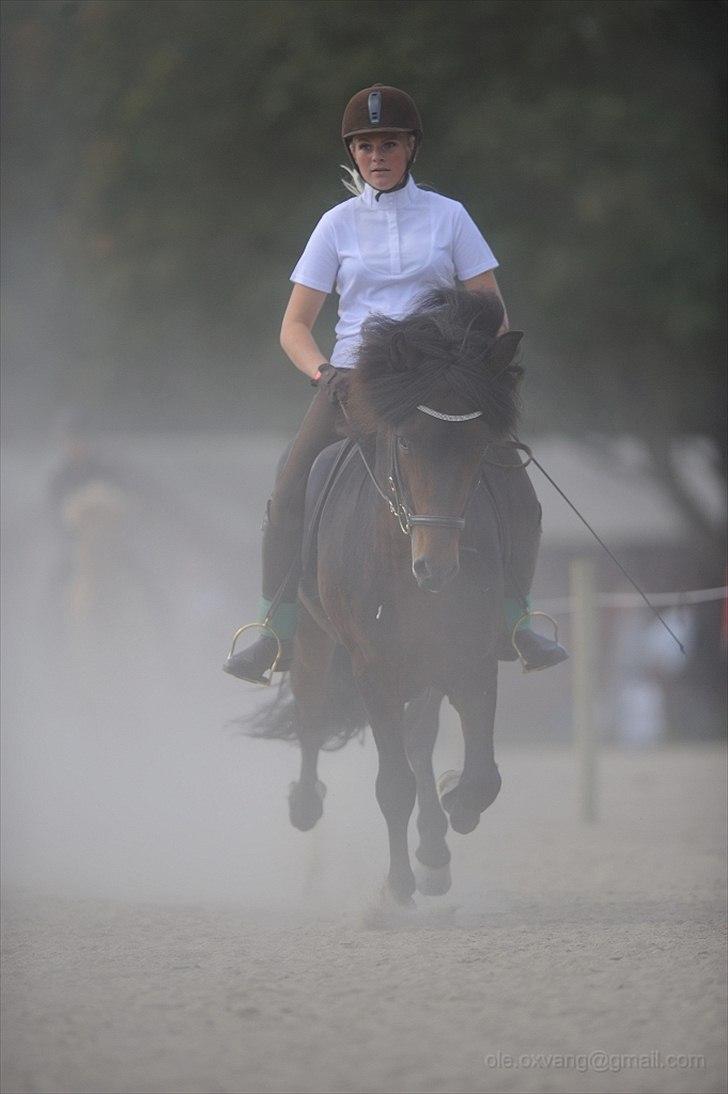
point(406, 196)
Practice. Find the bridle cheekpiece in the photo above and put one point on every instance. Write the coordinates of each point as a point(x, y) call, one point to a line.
point(399, 506)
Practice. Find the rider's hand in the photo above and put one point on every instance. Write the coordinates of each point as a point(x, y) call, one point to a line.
point(335, 382)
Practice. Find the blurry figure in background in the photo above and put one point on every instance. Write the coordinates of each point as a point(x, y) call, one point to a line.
point(380, 250)
point(87, 497)
point(94, 515)
point(106, 607)
point(86, 500)
point(648, 659)
point(79, 464)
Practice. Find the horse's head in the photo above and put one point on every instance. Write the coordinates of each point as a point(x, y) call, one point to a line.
point(437, 387)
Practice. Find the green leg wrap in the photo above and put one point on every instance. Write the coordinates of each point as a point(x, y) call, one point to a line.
point(283, 620)
point(513, 610)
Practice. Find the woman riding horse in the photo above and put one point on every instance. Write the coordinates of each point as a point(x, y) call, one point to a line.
point(417, 505)
point(380, 250)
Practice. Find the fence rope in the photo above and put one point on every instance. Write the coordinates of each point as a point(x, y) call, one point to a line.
point(565, 605)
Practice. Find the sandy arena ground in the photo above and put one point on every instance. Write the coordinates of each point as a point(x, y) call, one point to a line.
point(166, 930)
point(557, 939)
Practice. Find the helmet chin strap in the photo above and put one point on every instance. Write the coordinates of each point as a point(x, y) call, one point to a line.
point(400, 186)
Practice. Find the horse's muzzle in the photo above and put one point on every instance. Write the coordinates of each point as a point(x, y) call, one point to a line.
point(432, 576)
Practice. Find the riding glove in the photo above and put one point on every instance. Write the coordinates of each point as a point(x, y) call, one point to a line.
point(335, 382)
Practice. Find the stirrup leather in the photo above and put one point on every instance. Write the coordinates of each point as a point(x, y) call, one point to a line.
point(266, 627)
point(529, 615)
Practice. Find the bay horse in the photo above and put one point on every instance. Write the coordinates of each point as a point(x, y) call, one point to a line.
point(394, 586)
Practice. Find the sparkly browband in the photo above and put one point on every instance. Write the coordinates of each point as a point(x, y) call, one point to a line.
point(450, 417)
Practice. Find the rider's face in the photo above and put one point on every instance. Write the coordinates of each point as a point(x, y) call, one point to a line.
point(382, 158)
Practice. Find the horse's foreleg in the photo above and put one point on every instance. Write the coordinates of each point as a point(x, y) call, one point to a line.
point(422, 720)
point(480, 782)
point(395, 785)
point(313, 650)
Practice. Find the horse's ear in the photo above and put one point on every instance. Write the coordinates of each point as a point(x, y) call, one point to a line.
point(502, 353)
point(398, 357)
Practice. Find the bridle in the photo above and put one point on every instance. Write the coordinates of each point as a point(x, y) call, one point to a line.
point(397, 498)
point(400, 506)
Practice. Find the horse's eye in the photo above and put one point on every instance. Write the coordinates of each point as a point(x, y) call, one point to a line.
point(403, 443)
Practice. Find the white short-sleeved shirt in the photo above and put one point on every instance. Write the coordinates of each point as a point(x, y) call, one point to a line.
point(381, 253)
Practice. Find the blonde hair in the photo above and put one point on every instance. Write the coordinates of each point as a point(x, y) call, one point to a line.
point(355, 183)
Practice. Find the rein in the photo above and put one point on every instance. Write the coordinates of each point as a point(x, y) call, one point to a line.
point(407, 519)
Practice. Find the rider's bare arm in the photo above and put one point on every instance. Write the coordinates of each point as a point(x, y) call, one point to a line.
point(296, 338)
point(486, 282)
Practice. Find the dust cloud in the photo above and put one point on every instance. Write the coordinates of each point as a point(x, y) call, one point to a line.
point(165, 927)
point(125, 774)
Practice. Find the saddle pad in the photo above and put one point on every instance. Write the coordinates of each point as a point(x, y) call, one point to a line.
point(326, 467)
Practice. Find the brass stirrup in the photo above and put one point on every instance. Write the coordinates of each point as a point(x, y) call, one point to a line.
point(264, 680)
point(530, 615)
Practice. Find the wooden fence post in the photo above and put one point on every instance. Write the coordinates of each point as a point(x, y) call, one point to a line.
point(584, 638)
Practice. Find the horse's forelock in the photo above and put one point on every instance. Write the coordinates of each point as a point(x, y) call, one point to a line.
point(442, 349)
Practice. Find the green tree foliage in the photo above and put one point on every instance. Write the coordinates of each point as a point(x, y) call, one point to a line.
point(165, 161)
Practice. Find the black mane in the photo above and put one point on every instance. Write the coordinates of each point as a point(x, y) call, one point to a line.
point(446, 354)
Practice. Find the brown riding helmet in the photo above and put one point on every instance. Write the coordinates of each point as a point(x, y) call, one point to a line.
point(381, 108)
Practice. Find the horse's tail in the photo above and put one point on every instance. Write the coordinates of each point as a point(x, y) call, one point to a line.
point(342, 717)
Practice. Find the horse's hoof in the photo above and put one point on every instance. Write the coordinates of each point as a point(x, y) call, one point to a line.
point(397, 900)
point(463, 820)
point(464, 804)
point(305, 806)
point(432, 880)
point(492, 789)
point(450, 800)
point(386, 913)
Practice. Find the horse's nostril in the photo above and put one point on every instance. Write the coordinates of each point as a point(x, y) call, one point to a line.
point(421, 568)
point(433, 578)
